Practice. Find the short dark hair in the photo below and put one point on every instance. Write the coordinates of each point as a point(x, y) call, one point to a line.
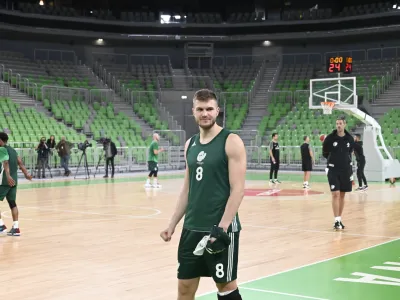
point(342, 118)
point(305, 137)
point(205, 95)
point(4, 137)
point(358, 135)
point(274, 134)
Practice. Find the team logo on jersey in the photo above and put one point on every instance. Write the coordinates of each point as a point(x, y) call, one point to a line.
point(334, 144)
point(348, 145)
point(201, 156)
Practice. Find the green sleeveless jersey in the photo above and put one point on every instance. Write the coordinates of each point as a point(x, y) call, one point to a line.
point(12, 156)
point(209, 187)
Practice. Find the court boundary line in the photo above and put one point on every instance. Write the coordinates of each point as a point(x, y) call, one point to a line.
point(322, 231)
point(307, 265)
point(280, 293)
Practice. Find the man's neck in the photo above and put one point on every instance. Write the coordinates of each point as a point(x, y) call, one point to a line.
point(341, 134)
point(208, 134)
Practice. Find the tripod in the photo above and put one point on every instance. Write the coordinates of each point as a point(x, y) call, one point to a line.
point(98, 163)
point(85, 165)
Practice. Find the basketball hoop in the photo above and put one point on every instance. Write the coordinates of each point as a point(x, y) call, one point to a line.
point(327, 107)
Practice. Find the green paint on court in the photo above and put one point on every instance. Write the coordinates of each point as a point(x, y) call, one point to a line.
point(259, 176)
point(334, 279)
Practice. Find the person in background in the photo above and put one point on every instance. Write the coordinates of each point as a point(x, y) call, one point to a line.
point(51, 144)
point(43, 157)
point(64, 151)
point(307, 161)
point(360, 158)
point(110, 152)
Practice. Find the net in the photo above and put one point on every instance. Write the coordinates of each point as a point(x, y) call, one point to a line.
point(327, 107)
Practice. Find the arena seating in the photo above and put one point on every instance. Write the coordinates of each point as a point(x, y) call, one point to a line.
point(295, 77)
point(237, 78)
point(144, 77)
point(27, 126)
point(295, 13)
point(40, 73)
point(372, 8)
point(233, 84)
point(390, 124)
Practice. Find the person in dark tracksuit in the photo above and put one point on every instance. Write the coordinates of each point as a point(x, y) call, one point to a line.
point(274, 159)
point(360, 158)
point(337, 149)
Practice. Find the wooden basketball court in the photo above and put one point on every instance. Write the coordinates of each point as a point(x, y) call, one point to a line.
point(99, 239)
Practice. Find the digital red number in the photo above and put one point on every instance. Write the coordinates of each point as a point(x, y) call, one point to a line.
point(348, 67)
point(331, 66)
point(337, 66)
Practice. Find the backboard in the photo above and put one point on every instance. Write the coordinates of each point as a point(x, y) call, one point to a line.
point(341, 90)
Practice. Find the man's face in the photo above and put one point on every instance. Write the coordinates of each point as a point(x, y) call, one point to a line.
point(340, 125)
point(205, 113)
point(275, 137)
point(307, 140)
point(2, 143)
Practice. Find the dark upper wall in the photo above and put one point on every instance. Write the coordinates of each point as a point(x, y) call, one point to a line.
point(176, 50)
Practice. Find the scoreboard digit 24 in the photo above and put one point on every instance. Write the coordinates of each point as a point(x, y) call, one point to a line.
point(339, 64)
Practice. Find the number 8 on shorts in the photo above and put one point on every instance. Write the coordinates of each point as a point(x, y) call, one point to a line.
point(223, 266)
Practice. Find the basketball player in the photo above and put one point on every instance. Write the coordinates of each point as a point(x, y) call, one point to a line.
point(274, 158)
point(152, 162)
point(210, 198)
point(337, 149)
point(8, 188)
point(360, 158)
point(307, 160)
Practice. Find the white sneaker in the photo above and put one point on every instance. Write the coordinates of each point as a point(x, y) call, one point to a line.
point(148, 185)
point(157, 186)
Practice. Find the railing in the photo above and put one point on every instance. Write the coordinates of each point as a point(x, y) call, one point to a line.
point(130, 159)
point(142, 97)
point(59, 55)
point(169, 83)
point(4, 89)
point(101, 95)
point(55, 93)
point(165, 115)
point(149, 59)
point(301, 58)
point(281, 97)
point(173, 137)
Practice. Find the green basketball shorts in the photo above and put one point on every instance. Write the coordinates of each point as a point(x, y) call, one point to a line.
point(222, 267)
point(8, 192)
point(152, 165)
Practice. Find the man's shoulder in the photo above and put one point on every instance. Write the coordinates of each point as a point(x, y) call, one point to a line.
point(10, 149)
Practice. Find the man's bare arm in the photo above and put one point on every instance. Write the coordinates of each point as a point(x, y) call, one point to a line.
point(312, 155)
point(23, 169)
point(6, 167)
point(237, 162)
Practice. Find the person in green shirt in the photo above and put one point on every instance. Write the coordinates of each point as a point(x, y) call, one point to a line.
point(152, 162)
point(212, 192)
point(8, 189)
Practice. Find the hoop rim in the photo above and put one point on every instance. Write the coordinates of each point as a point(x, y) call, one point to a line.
point(327, 104)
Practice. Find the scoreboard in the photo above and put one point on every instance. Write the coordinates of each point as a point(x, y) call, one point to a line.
point(339, 64)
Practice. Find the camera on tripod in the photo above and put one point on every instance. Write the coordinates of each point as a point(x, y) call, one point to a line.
point(84, 145)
